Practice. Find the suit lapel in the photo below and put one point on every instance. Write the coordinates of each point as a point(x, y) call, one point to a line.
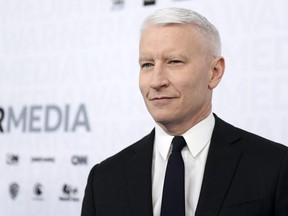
point(139, 177)
point(220, 167)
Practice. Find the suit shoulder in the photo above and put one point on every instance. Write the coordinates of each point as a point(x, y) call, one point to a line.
point(259, 142)
point(248, 140)
point(119, 159)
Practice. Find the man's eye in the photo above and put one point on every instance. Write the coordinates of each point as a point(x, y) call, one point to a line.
point(175, 62)
point(147, 65)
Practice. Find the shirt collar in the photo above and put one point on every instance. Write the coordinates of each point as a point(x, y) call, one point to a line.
point(196, 137)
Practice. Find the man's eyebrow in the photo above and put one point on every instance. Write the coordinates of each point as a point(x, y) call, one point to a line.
point(144, 59)
point(168, 57)
point(181, 56)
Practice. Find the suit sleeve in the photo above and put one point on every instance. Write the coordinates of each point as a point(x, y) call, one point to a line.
point(88, 208)
point(281, 201)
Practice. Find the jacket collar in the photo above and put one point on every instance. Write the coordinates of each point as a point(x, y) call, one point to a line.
point(139, 176)
point(220, 167)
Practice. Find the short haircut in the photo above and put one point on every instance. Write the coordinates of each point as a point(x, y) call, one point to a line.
point(168, 16)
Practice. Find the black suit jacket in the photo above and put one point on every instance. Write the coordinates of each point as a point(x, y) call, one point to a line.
point(245, 175)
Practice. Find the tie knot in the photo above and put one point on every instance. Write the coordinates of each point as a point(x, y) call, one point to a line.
point(178, 143)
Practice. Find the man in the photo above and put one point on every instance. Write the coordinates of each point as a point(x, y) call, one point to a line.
point(224, 171)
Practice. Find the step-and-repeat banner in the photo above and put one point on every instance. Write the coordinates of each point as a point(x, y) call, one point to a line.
point(69, 93)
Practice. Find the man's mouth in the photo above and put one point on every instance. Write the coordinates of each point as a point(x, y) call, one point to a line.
point(161, 98)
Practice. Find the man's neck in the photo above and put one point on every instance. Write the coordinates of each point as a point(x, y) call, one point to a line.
point(179, 129)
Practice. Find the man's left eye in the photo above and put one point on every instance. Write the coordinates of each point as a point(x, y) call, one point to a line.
point(175, 62)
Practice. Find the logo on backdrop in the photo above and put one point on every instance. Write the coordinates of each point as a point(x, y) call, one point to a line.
point(69, 193)
point(117, 4)
point(149, 2)
point(1, 118)
point(79, 160)
point(45, 119)
point(42, 159)
point(12, 159)
point(38, 191)
point(13, 190)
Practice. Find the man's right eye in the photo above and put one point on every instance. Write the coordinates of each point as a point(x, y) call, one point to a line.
point(146, 65)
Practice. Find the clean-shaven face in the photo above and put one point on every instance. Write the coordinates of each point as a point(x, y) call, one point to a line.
point(174, 76)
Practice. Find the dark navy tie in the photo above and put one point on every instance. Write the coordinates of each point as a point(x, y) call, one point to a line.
point(173, 198)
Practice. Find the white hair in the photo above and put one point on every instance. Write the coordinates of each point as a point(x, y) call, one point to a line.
point(168, 16)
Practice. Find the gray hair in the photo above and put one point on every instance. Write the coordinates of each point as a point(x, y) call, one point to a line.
point(174, 15)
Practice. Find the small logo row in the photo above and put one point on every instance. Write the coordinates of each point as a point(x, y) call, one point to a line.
point(119, 4)
point(68, 192)
point(14, 159)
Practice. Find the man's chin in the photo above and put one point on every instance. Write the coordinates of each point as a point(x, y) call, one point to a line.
point(163, 121)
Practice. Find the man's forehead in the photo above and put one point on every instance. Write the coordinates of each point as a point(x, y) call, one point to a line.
point(179, 31)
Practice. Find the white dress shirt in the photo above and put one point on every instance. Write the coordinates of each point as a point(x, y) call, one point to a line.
point(194, 157)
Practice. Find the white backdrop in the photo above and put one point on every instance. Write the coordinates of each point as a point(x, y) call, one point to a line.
point(69, 93)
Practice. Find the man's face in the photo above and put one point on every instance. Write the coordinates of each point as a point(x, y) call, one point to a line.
point(174, 76)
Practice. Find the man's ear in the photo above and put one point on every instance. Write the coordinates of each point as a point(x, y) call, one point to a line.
point(216, 71)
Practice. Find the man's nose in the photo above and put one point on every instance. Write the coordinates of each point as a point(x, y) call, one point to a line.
point(159, 77)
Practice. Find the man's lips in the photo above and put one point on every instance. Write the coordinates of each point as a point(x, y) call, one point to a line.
point(161, 98)
point(160, 101)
